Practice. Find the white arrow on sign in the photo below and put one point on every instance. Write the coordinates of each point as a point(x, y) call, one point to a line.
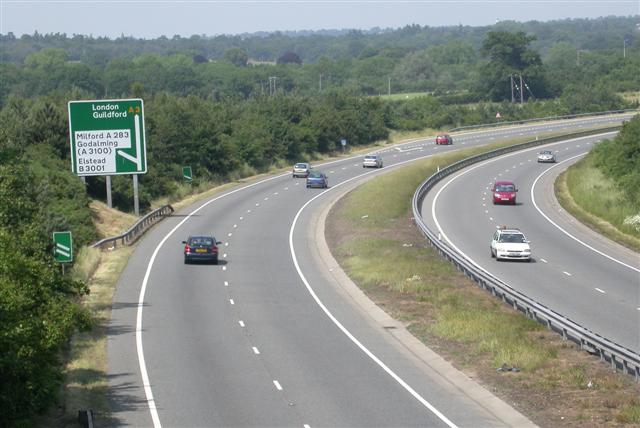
point(137, 160)
point(63, 249)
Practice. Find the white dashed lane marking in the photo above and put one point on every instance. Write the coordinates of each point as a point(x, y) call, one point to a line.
point(241, 323)
point(229, 234)
point(232, 302)
point(235, 225)
point(256, 351)
point(224, 255)
point(566, 273)
point(277, 384)
point(601, 291)
point(241, 218)
point(543, 261)
point(224, 268)
point(226, 283)
point(226, 244)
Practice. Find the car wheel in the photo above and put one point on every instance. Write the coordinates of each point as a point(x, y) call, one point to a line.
point(491, 251)
point(215, 261)
point(186, 261)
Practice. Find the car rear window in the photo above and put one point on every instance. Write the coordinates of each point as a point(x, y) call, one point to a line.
point(301, 165)
point(202, 241)
point(315, 174)
point(369, 157)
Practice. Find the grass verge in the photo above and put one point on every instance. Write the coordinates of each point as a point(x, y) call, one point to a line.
point(593, 199)
point(86, 384)
point(555, 383)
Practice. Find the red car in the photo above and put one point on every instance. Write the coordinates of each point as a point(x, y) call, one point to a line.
point(504, 192)
point(444, 139)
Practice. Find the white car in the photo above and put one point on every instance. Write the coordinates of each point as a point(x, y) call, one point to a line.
point(510, 244)
point(374, 161)
point(301, 169)
point(546, 156)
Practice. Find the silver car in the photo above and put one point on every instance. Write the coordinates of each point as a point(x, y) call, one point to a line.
point(373, 161)
point(546, 156)
point(301, 169)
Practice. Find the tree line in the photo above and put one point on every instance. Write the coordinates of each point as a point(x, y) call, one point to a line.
point(216, 118)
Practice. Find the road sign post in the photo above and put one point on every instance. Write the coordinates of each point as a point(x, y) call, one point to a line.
point(63, 247)
point(343, 142)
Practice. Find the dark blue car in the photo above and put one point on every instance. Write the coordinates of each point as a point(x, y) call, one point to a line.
point(317, 179)
point(203, 248)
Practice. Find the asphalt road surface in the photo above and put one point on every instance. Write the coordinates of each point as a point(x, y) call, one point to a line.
point(574, 271)
point(266, 338)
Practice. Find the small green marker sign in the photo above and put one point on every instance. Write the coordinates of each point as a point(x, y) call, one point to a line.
point(63, 247)
point(186, 173)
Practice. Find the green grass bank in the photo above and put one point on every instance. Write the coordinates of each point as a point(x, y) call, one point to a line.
point(556, 384)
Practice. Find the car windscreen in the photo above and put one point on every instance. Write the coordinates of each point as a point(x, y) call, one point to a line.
point(505, 188)
point(511, 237)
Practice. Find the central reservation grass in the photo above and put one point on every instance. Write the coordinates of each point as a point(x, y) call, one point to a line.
point(372, 234)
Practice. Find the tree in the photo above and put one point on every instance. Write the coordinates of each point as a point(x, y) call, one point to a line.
point(509, 55)
point(236, 56)
point(289, 58)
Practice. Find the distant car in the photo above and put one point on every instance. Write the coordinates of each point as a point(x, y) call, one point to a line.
point(546, 156)
point(510, 244)
point(301, 169)
point(374, 161)
point(504, 192)
point(201, 248)
point(317, 179)
point(444, 139)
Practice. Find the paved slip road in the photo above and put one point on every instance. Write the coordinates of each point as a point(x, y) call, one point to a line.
point(574, 271)
point(245, 343)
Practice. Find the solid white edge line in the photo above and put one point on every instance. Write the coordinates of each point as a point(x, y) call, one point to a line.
point(533, 199)
point(277, 384)
point(338, 324)
point(478, 165)
point(139, 347)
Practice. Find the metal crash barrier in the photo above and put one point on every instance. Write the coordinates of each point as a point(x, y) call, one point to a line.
point(618, 356)
point(137, 230)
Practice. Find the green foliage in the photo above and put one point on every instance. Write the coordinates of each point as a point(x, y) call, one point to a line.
point(37, 316)
point(236, 56)
point(510, 57)
point(619, 159)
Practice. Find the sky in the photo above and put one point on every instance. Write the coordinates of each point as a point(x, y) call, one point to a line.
point(152, 18)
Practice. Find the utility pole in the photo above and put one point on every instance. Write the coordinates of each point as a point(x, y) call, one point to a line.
point(389, 87)
point(513, 98)
point(272, 85)
point(624, 47)
point(320, 84)
point(521, 91)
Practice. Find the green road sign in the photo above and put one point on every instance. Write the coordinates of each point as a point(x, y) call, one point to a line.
point(186, 173)
point(107, 137)
point(63, 247)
